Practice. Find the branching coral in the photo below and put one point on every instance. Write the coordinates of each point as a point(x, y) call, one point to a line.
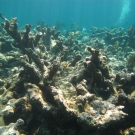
point(116, 45)
point(131, 60)
point(65, 65)
point(131, 33)
point(40, 72)
point(21, 38)
point(73, 34)
point(47, 33)
point(98, 70)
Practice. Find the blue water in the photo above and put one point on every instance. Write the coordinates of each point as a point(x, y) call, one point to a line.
point(99, 13)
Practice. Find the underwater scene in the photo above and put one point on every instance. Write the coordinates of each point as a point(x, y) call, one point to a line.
point(67, 67)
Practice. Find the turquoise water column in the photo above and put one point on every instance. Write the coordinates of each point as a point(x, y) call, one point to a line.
point(125, 10)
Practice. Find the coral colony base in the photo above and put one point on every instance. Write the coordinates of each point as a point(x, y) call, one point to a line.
point(68, 83)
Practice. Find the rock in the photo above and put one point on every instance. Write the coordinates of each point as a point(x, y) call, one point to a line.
point(1, 83)
point(101, 116)
point(36, 98)
point(12, 128)
point(129, 131)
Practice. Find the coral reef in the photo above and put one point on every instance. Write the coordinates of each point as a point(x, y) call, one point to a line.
point(66, 84)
